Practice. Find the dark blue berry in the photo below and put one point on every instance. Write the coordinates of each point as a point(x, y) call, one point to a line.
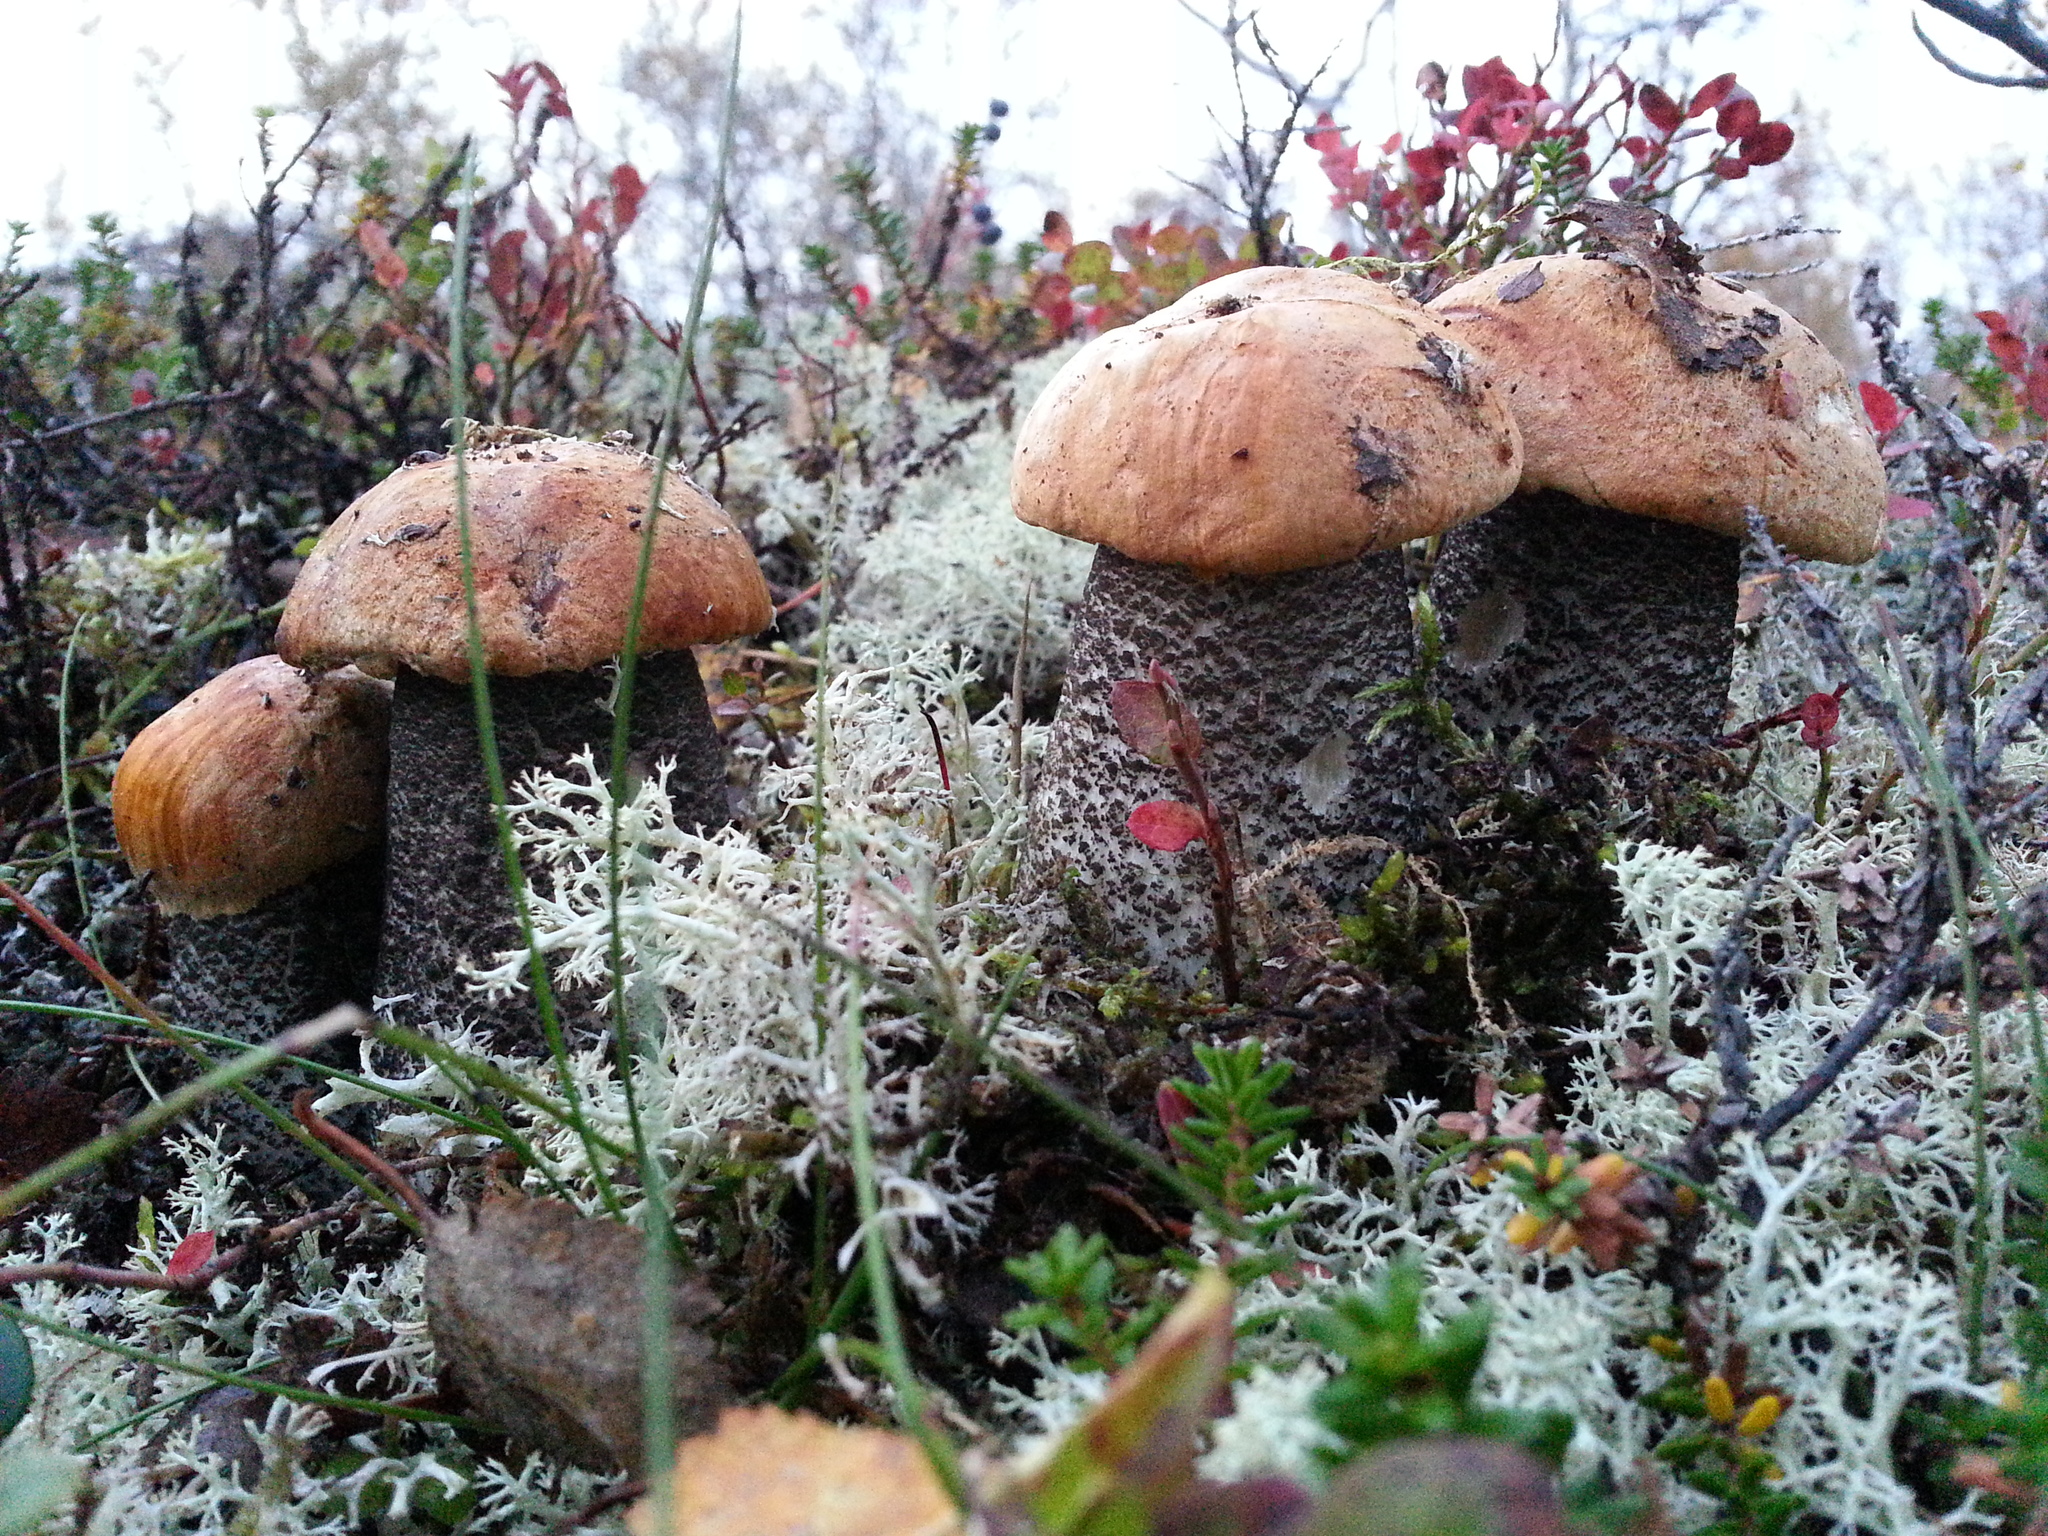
point(982, 213)
point(998, 108)
point(990, 133)
point(991, 233)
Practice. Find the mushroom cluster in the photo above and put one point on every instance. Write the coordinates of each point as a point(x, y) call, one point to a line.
point(260, 804)
point(1657, 406)
point(1249, 460)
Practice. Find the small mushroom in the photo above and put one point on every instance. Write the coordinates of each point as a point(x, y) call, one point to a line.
point(1656, 404)
point(257, 807)
point(1249, 460)
point(556, 532)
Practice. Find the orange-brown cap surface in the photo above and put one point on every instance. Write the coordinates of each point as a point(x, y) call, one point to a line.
point(555, 526)
point(253, 784)
point(1273, 420)
point(1612, 415)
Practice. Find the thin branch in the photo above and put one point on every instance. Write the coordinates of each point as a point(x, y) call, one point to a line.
point(2001, 26)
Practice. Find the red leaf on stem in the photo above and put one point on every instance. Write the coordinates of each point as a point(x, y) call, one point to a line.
point(1739, 116)
point(386, 265)
point(1142, 719)
point(1660, 109)
point(190, 1256)
point(628, 188)
point(1770, 143)
point(1712, 94)
point(1819, 714)
point(1174, 1108)
point(1883, 410)
point(1168, 825)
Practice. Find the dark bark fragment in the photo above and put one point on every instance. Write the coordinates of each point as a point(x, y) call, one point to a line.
point(1272, 667)
point(1556, 612)
point(447, 903)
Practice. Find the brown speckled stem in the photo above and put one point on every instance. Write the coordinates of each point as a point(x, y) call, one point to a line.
point(1555, 612)
point(447, 901)
point(1272, 667)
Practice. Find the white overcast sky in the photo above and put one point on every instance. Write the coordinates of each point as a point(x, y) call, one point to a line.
point(143, 107)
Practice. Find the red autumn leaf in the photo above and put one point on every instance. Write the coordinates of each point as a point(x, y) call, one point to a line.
point(386, 265)
point(503, 268)
point(1142, 718)
point(1739, 116)
point(517, 84)
point(2005, 344)
point(863, 296)
point(190, 1256)
point(1058, 234)
point(1638, 147)
point(2037, 387)
point(1770, 143)
point(538, 220)
point(1903, 509)
point(1492, 81)
point(141, 395)
point(1819, 714)
point(1729, 168)
point(1712, 94)
point(1168, 825)
point(556, 101)
point(1883, 411)
point(628, 188)
point(1660, 109)
point(1174, 1108)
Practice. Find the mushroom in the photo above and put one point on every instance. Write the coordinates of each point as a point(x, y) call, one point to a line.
point(1657, 403)
point(556, 528)
point(1249, 460)
point(257, 807)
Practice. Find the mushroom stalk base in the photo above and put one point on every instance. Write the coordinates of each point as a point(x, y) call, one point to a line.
point(1272, 667)
point(447, 904)
point(1555, 612)
point(287, 959)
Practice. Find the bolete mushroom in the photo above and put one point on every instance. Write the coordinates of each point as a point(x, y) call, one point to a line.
point(1657, 403)
point(1249, 460)
point(257, 807)
point(556, 534)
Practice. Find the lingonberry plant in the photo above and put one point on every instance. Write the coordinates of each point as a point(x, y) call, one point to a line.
point(1487, 177)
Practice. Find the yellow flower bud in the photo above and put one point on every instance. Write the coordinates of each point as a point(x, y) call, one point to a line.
point(1524, 1227)
point(1515, 1157)
point(1666, 1346)
point(1720, 1400)
point(1564, 1239)
point(1481, 1177)
point(2009, 1395)
point(1686, 1199)
point(1555, 1169)
point(1762, 1414)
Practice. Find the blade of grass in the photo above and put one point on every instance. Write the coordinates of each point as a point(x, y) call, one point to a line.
point(239, 1378)
point(157, 1024)
point(910, 1397)
point(657, 1369)
point(64, 791)
point(336, 1021)
point(480, 694)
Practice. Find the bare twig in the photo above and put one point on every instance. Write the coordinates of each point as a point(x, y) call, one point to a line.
point(2002, 24)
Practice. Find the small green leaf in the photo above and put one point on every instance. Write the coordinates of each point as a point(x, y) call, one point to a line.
point(17, 1376)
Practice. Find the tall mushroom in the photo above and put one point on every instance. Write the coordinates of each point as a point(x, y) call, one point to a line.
point(257, 807)
point(1250, 460)
point(1656, 404)
point(556, 535)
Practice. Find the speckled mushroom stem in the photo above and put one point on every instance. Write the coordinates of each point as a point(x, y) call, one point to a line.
point(446, 903)
point(1555, 612)
point(287, 959)
point(1271, 666)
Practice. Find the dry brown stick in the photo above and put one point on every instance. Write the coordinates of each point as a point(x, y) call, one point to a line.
point(335, 1139)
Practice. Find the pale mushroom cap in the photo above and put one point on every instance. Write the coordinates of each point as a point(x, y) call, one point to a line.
point(1274, 420)
point(556, 529)
point(1612, 416)
point(252, 785)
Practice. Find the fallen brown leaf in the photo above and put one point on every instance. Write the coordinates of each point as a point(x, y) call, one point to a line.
point(769, 1473)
